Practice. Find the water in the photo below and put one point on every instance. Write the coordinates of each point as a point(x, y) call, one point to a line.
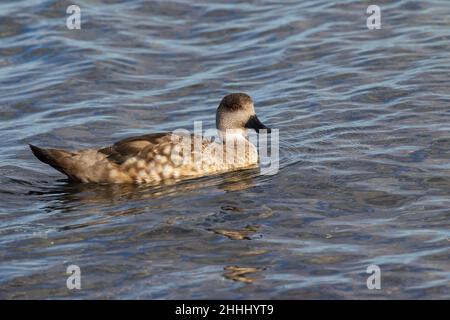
point(364, 123)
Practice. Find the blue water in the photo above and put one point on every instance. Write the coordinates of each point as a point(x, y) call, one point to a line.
point(364, 120)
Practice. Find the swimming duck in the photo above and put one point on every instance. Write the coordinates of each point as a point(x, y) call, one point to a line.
point(157, 157)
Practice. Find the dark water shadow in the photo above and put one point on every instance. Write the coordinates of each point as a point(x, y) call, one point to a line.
point(109, 201)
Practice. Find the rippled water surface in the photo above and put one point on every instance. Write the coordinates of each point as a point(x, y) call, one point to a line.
point(364, 119)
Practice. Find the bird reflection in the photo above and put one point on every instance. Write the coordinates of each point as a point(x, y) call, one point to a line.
point(131, 199)
point(238, 234)
point(239, 274)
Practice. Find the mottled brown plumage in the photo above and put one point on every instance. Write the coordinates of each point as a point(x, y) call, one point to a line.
point(123, 149)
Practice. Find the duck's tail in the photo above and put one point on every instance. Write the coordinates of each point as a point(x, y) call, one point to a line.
point(53, 157)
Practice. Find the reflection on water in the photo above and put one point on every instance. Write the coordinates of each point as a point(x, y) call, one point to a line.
point(364, 149)
point(239, 274)
point(244, 234)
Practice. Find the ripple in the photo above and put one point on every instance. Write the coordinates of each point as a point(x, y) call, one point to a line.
point(363, 171)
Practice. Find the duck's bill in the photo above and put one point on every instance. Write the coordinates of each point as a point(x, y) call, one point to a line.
point(254, 123)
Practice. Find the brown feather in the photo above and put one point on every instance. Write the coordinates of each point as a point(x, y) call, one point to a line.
point(129, 147)
point(52, 157)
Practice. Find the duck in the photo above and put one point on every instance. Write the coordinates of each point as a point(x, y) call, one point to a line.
point(159, 157)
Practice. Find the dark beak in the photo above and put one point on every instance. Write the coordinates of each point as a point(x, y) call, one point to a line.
point(254, 123)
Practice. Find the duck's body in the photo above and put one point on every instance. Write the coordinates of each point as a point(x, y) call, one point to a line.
point(146, 159)
point(159, 157)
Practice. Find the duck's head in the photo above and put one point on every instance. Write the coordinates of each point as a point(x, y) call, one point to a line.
point(236, 113)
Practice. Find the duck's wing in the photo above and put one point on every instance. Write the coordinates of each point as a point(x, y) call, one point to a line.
point(129, 147)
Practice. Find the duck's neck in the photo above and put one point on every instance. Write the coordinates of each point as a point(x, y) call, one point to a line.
point(233, 135)
point(237, 144)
